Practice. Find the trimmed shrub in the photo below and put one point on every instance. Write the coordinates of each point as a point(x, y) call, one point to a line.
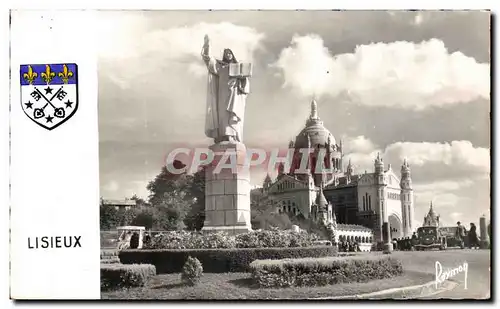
point(218, 260)
point(108, 253)
point(323, 271)
point(275, 238)
point(118, 276)
point(192, 271)
point(110, 260)
point(255, 239)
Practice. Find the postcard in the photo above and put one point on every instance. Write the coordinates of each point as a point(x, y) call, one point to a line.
point(250, 155)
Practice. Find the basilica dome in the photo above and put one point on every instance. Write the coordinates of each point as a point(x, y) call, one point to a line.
point(315, 132)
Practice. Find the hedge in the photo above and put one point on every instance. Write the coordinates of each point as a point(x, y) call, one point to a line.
point(108, 253)
point(323, 271)
point(114, 260)
point(273, 238)
point(218, 260)
point(117, 276)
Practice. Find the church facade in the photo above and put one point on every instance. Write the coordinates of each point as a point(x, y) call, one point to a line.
point(364, 200)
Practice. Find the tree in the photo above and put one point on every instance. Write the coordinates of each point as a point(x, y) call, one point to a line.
point(259, 203)
point(178, 199)
point(196, 193)
point(313, 227)
point(166, 183)
point(168, 196)
point(108, 217)
point(139, 201)
point(125, 216)
point(144, 218)
point(264, 213)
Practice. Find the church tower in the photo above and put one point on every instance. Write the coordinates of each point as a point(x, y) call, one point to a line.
point(350, 172)
point(380, 185)
point(407, 207)
point(267, 183)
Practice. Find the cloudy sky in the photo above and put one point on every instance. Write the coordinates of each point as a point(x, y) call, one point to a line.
point(405, 84)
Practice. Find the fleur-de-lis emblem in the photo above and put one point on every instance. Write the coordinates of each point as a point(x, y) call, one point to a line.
point(48, 75)
point(30, 76)
point(66, 74)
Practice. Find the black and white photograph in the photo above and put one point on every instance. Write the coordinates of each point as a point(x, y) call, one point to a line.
point(315, 155)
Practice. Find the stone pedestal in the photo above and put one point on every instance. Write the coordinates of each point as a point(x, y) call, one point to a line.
point(227, 190)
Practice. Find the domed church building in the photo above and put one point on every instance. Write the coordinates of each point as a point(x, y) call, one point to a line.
point(358, 201)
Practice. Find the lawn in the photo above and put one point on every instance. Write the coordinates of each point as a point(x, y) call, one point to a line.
point(239, 286)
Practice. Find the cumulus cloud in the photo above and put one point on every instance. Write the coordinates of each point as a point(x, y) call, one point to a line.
point(400, 74)
point(457, 159)
point(359, 144)
point(443, 185)
point(176, 43)
point(454, 176)
point(458, 156)
point(176, 50)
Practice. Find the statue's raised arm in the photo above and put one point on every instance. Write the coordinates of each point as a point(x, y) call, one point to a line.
point(210, 62)
point(205, 52)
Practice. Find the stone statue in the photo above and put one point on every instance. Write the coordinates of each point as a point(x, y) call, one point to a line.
point(228, 87)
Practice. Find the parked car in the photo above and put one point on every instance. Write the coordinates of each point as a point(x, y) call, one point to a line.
point(430, 237)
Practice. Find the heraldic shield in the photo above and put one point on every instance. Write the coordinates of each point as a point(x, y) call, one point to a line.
point(49, 93)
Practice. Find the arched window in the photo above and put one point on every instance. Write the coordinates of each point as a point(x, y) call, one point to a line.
point(370, 202)
point(364, 203)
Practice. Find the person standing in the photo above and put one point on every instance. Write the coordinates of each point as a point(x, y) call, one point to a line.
point(473, 240)
point(460, 234)
point(414, 240)
point(147, 239)
point(134, 241)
